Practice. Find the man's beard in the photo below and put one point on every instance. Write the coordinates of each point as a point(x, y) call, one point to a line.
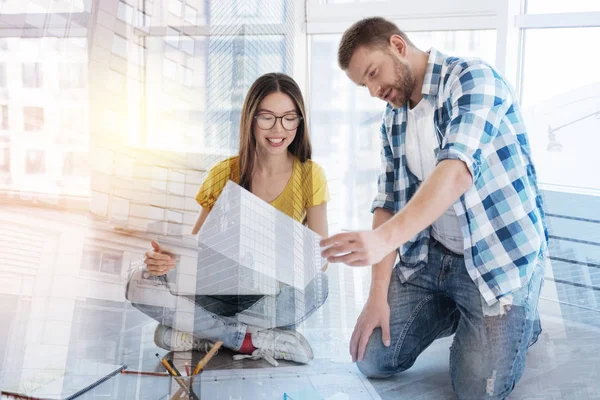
point(405, 82)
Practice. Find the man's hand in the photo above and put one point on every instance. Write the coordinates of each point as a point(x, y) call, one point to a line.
point(376, 313)
point(157, 261)
point(357, 249)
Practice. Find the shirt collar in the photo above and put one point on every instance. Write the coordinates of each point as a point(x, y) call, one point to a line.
point(433, 75)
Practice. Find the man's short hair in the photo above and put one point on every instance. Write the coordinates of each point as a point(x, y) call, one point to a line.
point(368, 32)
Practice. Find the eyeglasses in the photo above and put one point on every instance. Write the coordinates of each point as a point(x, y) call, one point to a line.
point(289, 122)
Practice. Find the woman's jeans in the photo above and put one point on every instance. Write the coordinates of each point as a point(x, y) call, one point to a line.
point(225, 318)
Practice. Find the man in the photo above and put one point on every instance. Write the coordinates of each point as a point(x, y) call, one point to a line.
point(458, 200)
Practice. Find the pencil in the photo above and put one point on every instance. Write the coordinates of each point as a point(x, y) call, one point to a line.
point(187, 369)
point(177, 377)
point(125, 371)
point(202, 363)
point(18, 396)
point(174, 367)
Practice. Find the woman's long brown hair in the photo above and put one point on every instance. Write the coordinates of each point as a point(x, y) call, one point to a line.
point(262, 87)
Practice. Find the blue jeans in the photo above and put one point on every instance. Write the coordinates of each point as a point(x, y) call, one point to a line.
point(487, 357)
point(225, 318)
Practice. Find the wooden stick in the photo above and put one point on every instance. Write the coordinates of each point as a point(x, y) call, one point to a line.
point(18, 396)
point(177, 394)
point(125, 371)
point(202, 363)
point(177, 378)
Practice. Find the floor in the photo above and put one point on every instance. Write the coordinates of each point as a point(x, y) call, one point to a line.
point(62, 303)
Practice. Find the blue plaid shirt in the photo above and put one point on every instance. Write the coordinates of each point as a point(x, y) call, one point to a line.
point(477, 121)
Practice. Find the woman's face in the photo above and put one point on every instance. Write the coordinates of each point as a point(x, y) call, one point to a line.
point(275, 123)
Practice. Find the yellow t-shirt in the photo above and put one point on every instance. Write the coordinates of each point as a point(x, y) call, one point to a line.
point(306, 188)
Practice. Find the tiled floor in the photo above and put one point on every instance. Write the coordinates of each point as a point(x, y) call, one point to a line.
point(62, 301)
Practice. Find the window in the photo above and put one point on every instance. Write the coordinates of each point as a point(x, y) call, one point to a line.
point(32, 75)
point(550, 7)
point(172, 37)
point(102, 260)
point(2, 75)
point(345, 120)
point(33, 118)
point(119, 46)
point(72, 126)
point(190, 15)
point(4, 117)
point(125, 12)
point(72, 75)
point(564, 106)
point(31, 7)
point(169, 69)
point(175, 7)
point(35, 162)
point(187, 45)
point(76, 164)
point(186, 75)
point(4, 157)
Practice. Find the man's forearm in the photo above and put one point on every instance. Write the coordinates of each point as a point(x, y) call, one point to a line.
point(381, 272)
point(448, 181)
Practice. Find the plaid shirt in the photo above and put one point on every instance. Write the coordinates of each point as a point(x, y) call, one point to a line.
point(477, 121)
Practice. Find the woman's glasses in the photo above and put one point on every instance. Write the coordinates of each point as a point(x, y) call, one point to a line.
point(289, 122)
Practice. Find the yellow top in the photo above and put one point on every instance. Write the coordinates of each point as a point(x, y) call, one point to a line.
point(306, 188)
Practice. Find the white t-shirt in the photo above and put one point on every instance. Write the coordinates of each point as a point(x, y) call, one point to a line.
point(421, 144)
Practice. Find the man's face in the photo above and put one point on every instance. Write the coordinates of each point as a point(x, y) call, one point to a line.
point(386, 75)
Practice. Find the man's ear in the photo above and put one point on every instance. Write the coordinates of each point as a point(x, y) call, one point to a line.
point(398, 44)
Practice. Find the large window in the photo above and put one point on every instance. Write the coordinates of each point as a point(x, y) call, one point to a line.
point(4, 157)
point(35, 162)
point(32, 75)
point(345, 120)
point(564, 104)
point(4, 117)
point(559, 6)
point(44, 104)
point(561, 99)
point(33, 118)
point(102, 260)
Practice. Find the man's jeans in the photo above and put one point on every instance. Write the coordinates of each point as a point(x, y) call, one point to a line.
point(487, 357)
point(225, 318)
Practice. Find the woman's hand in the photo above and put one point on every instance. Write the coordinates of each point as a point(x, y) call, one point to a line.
point(157, 261)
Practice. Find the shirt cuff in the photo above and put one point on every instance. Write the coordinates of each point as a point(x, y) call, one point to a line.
point(453, 154)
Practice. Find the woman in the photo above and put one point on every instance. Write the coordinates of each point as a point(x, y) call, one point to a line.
point(274, 163)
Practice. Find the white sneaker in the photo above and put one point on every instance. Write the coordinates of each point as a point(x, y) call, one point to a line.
point(272, 344)
point(171, 339)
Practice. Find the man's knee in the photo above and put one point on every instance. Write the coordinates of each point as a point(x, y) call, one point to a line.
point(373, 368)
point(380, 361)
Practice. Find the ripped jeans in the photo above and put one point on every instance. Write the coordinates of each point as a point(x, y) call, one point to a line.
point(487, 357)
point(225, 318)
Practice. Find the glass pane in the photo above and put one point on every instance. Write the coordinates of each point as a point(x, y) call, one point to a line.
point(90, 259)
point(345, 121)
point(562, 112)
point(111, 263)
point(480, 44)
point(564, 105)
point(44, 113)
point(352, 1)
point(561, 6)
point(57, 6)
